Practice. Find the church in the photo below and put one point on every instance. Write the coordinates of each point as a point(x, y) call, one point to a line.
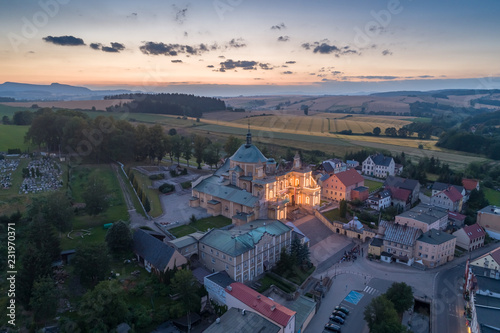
point(250, 186)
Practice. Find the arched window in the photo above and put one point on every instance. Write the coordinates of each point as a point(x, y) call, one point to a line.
point(270, 193)
point(281, 185)
point(307, 200)
point(307, 181)
point(296, 182)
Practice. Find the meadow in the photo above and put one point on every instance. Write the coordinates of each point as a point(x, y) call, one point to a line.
point(12, 136)
point(492, 195)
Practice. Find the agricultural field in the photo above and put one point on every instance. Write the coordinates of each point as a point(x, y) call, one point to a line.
point(12, 136)
point(9, 111)
point(101, 104)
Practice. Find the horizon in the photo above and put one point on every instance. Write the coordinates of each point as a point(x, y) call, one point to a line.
point(232, 48)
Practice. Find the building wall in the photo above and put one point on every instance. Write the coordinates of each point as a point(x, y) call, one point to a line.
point(442, 200)
point(435, 255)
point(399, 249)
point(233, 302)
point(177, 260)
point(439, 224)
point(375, 250)
point(215, 292)
point(333, 189)
point(489, 221)
point(381, 171)
point(486, 262)
point(247, 266)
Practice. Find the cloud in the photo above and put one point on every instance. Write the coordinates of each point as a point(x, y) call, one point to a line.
point(373, 77)
point(95, 46)
point(132, 16)
point(377, 29)
point(244, 64)
point(64, 40)
point(290, 62)
point(279, 26)
point(266, 67)
point(176, 61)
point(335, 73)
point(114, 48)
point(287, 72)
point(386, 52)
point(426, 76)
point(324, 47)
point(283, 39)
point(152, 48)
point(180, 14)
point(210, 66)
point(237, 43)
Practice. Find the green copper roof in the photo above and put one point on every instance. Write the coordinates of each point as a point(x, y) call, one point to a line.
point(212, 186)
point(248, 154)
point(242, 239)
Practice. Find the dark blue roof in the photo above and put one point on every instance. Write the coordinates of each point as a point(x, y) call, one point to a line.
point(152, 249)
point(380, 159)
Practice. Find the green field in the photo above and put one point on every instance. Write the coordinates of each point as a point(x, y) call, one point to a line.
point(213, 222)
point(9, 111)
point(153, 194)
point(492, 195)
point(373, 185)
point(12, 136)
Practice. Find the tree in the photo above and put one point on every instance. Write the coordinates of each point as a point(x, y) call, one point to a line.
point(176, 147)
point(119, 238)
point(382, 317)
point(403, 132)
point(391, 131)
point(147, 205)
point(104, 307)
point(187, 149)
point(199, 145)
point(377, 131)
point(157, 147)
point(300, 252)
point(35, 265)
point(305, 108)
point(91, 263)
point(172, 132)
point(232, 144)
point(343, 208)
point(184, 284)
point(5, 120)
point(401, 295)
point(95, 196)
point(23, 117)
point(55, 208)
point(44, 299)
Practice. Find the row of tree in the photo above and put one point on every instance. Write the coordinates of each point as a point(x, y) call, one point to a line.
point(19, 118)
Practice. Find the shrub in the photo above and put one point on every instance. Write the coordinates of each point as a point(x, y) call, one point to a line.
point(166, 188)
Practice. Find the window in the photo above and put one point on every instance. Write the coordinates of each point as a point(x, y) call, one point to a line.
point(203, 254)
point(296, 182)
point(420, 247)
point(245, 264)
point(223, 256)
point(227, 267)
point(253, 260)
point(213, 261)
point(217, 254)
point(211, 251)
point(230, 258)
point(238, 268)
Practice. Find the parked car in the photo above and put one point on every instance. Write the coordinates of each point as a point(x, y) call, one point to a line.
point(332, 327)
point(339, 314)
point(342, 309)
point(337, 319)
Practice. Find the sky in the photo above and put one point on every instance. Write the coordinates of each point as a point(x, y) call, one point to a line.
point(243, 47)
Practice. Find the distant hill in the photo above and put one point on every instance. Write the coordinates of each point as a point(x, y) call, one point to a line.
point(52, 92)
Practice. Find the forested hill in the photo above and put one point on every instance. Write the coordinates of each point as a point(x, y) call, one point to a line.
point(175, 104)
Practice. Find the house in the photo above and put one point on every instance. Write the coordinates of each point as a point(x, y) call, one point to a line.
point(412, 185)
point(400, 198)
point(216, 284)
point(435, 248)
point(469, 186)
point(360, 193)
point(399, 241)
point(488, 265)
point(242, 297)
point(470, 237)
point(380, 200)
point(339, 186)
point(449, 198)
point(245, 251)
point(489, 219)
point(187, 245)
point(424, 217)
point(155, 255)
point(333, 166)
point(376, 247)
point(398, 169)
point(250, 186)
point(438, 187)
point(456, 220)
point(378, 165)
point(237, 320)
point(297, 234)
point(351, 164)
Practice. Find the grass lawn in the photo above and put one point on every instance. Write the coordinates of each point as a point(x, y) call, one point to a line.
point(268, 280)
point(373, 185)
point(137, 205)
point(492, 195)
point(9, 111)
point(432, 177)
point(334, 215)
point(300, 276)
point(12, 136)
point(201, 225)
point(153, 194)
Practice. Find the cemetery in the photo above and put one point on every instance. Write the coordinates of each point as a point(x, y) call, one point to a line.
point(7, 167)
point(41, 175)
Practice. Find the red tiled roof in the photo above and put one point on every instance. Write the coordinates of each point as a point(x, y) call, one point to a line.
point(469, 184)
point(474, 231)
point(456, 216)
point(496, 255)
point(401, 194)
point(261, 304)
point(349, 177)
point(453, 194)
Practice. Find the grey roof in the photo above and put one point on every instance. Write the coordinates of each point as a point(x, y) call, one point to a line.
point(152, 249)
point(265, 180)
point(243, 238)
point(377, 242)
point(401, 234)
point(361, 188)
point(438, 186)
point(425, 213)
point(435, 237)
point(486, 283)
point(488, 316)
point(393, 181)
point(303, 306)
point(223, 169)
point(328, 167)
point(248, 153)
point(491, 210)
point(212, 186)
point(234, 322)
point(380, 159)
point(324, 177)
point(221, 279)
point(199, 273)
point(183, 241)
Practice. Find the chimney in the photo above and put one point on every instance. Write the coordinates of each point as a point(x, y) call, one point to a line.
point(273, 307)
point(229, 288)
point(258, 296)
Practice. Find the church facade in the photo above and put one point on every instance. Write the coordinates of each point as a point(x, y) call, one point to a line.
point(250, 186)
